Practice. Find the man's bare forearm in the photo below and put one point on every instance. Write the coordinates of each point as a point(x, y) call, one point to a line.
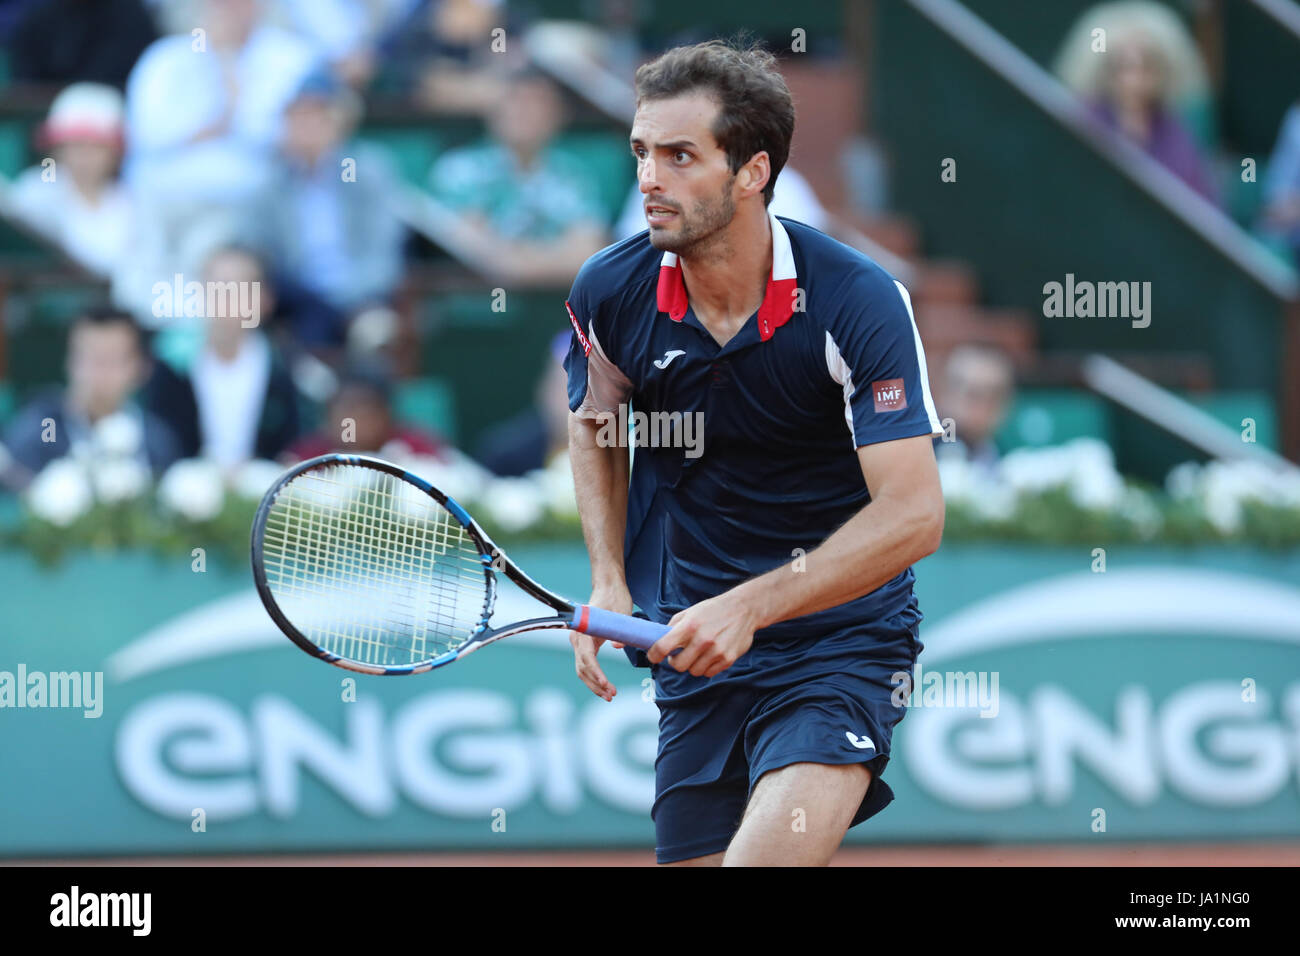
point(871, 548)
point(600, 477)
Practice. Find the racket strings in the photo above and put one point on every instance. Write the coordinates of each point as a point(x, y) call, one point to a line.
point(370, 568)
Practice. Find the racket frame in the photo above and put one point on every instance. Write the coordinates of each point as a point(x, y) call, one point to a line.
point(491, 556)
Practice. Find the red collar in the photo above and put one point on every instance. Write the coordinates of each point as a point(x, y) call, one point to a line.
point(778, 300)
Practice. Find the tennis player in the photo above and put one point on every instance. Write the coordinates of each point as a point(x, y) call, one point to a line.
point(779, 542)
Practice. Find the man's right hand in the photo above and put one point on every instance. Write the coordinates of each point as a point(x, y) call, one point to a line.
point(585, 646)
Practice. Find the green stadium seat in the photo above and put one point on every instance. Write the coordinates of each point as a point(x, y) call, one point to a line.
point(610, 162)
point(1231, 407)
point(412, 149)
point(14, 138)
point(468, 310)
point(59, 306)
point(8, 402)
point(41, 346)
point(1051, 417)
point(1198, 115)
point(1241, 200)
point(427, 403)
point(19, 247)
point(41, 338)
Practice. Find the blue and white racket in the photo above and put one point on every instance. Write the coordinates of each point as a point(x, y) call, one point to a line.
point(371, 568)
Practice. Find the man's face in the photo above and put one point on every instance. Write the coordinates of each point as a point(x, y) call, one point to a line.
point(528, 116)
point(682, 172)
point(311, 128)
point(1136, 75)
point(979, 389)
point(372, 420)
point(104, 367)
point(230, 22)
point(88, 162)
point(227, 267)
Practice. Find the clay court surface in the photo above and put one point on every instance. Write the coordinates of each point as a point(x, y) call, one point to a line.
point(1230, 854)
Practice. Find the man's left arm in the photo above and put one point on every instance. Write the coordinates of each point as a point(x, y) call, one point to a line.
point(902, 524)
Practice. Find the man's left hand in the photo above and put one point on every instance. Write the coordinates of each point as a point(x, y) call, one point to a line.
point(712, 635)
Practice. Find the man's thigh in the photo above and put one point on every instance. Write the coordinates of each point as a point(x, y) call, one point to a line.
point(827, 705)
point(797, 815)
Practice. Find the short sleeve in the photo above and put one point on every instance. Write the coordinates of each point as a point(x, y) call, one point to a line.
point(596, 384)
point(874, 352)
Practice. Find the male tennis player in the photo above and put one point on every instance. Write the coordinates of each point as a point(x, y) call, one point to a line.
point(779, 543)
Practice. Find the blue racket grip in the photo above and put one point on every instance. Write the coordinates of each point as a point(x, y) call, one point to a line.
point(612, 626)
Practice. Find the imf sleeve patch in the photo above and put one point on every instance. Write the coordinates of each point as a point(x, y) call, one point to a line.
point(889, 395)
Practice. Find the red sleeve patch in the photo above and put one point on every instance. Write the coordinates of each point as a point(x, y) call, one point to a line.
point(889, 395)
point(577, 327)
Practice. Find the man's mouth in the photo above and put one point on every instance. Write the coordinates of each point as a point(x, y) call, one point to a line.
point(659, 215)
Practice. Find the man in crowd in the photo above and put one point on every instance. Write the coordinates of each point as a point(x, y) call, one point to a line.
point(106, 364)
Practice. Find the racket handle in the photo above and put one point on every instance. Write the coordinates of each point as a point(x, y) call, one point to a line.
point(612, 626)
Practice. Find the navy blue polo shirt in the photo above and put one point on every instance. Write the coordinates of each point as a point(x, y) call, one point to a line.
point(745, 456)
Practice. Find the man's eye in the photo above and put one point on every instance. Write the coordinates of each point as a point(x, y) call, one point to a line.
point(679, 154)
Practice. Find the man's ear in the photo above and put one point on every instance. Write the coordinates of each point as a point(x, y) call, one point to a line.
point(755, 173)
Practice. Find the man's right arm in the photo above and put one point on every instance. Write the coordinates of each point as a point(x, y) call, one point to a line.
point(600, 481)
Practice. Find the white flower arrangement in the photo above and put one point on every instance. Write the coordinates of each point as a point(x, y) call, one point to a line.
point(1222, 489)
point(1061, 494)
point(118, 435)
point(61, 493)
point(118, 480)
point(193, 488)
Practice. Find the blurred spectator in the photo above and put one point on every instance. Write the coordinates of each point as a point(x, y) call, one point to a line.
point(204, 111)
point(529, 212)
point(95, 415)
point(335, 241)
point(58, 42)
point(78, 201)
point(1149, 71)
point(344, 32)
point(792, 198)
point(529, 440)
point(360, 419)
point(1281, 215)
point(978, 385)
point(440, 54)
point(238, 400)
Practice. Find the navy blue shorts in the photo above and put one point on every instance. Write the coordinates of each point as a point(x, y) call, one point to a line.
point(828, 700)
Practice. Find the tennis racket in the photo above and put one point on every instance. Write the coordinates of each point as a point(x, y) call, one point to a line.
point(371, 568)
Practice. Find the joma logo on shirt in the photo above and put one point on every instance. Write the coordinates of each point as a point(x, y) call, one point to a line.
point(889, 395)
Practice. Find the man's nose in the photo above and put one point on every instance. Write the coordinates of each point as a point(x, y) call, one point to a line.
point(647, 176)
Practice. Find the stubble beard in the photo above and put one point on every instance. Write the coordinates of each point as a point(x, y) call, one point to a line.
point(702, 228)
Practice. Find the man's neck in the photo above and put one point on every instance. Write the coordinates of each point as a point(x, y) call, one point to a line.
point(227, 350)
point(90, 191)
point(82, 411)
point(525, 159)
point(726, 280)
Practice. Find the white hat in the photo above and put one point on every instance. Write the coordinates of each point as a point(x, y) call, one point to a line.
point(85, 111)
